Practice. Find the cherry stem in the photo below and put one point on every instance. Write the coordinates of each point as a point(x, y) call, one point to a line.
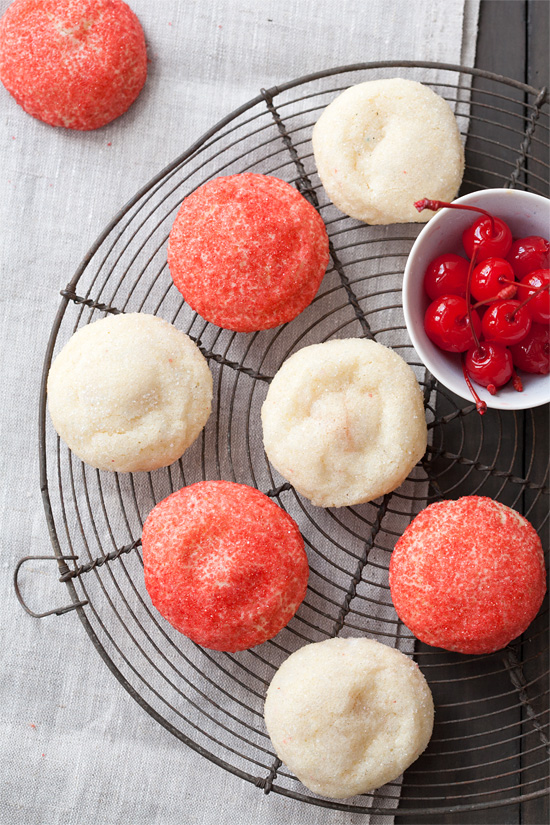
point(517, 382)
point(426, 203)
point(517, 284)
point(503, 295)
point(534, 294)
point(468, 299)
point(481, 406)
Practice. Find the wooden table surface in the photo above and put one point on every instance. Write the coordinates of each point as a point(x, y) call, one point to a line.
point(513, 41)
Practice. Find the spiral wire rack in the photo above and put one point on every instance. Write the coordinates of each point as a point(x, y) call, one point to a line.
point(490, 743)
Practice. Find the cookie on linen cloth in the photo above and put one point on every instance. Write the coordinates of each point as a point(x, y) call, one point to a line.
point(468, 575)
point(224, 564)
point(348, 715)
point(248, 252)
point(384, 144)
point(129, 393)
point(344, 421)
point(72, 63)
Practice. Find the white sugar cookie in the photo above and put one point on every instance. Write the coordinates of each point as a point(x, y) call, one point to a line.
point(348, 715)
point(384, 144)
point(129, 393)
point(344, 421)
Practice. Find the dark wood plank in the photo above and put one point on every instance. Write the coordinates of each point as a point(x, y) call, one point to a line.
point(538, 36)
point(535, 645)
point(501, 42)
point(512, 42)
point(534, 650)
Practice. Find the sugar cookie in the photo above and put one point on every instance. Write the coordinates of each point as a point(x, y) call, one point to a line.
point(468, 575)
point(129, 393)
point(384, 144)
point(344, 421)
point(224, 564)
point(247, 252)
point(72, 63)
point(348, 715)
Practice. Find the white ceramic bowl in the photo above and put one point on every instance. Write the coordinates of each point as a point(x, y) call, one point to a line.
point(526, 214)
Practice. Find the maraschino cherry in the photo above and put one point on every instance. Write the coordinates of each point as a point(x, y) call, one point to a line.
point(490, 277)
point(514, 329)
point(490, 236)
point(489, 364)
point(528, 254)
point(506, 322)
point(536, 288)
point(448, 326)
point(532, 354)
point(446, 275)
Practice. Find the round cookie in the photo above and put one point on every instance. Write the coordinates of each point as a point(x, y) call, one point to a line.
point(224, 564)
point(72, 63)
point(348, 715)
point(384, 144)
point(344, 421)
point(468, 575)
point(247, 252)
point(129, 393)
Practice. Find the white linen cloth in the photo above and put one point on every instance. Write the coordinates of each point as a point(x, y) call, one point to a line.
point(74, 747)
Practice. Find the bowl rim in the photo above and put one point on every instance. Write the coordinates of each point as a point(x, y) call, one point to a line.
point(524, 400)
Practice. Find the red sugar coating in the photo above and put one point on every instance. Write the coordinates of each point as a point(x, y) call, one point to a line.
point(72, 63)
point(468, 575)
point(248, 252)
point(224, 564)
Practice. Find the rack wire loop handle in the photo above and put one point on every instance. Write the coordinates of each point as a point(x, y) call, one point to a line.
point(58, 611)
point(97, 562)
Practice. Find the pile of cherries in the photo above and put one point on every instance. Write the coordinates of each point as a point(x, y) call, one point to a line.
point(492, 307)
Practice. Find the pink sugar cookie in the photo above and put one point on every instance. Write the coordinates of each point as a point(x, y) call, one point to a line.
point(72, 63)
point(248, 252)
point(224, 564)
point(468, 575)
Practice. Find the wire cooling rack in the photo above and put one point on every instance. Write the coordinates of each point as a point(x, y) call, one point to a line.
point(490, 741)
